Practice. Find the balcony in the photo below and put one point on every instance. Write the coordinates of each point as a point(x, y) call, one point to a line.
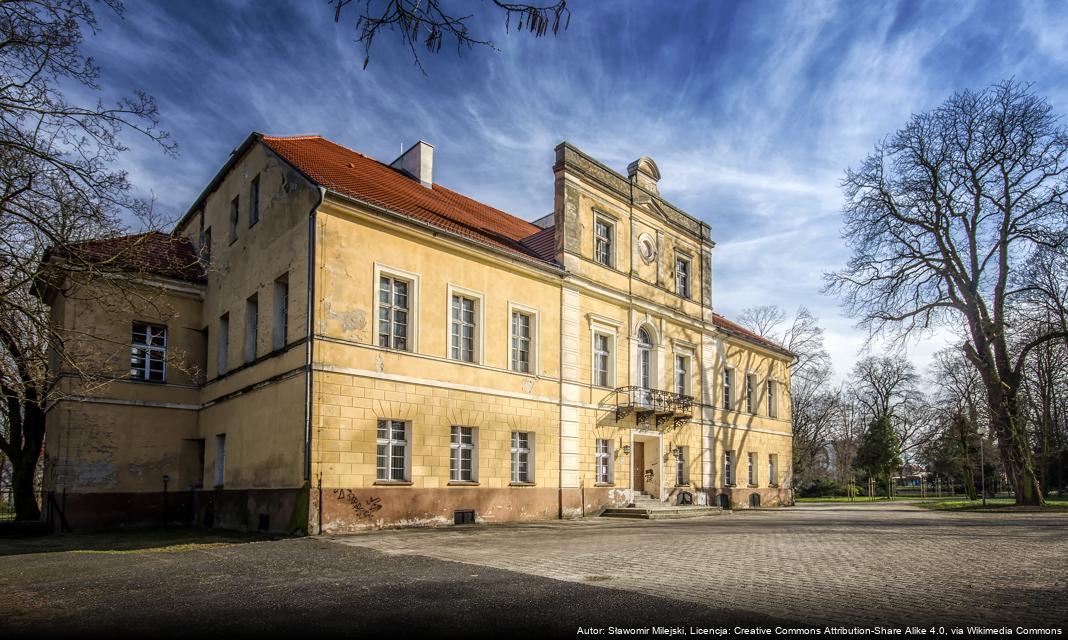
point(662, 406)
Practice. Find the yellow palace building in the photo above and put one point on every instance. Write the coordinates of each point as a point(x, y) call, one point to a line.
point(334, 343)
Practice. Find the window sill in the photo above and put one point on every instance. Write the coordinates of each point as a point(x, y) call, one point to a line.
point(753, 486)
point(604, 484)
point(683, 484)
point(522, 484)
point(394, 483)
point(463, 483)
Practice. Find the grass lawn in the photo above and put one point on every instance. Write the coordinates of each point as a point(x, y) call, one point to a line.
point(170, 539)
point(993, 504)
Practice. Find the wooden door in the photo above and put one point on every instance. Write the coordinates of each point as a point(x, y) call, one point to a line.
point(638, 472)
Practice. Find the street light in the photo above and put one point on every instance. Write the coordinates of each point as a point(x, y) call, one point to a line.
point(982, 464)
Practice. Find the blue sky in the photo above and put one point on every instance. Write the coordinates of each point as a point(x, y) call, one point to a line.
point(752, 110)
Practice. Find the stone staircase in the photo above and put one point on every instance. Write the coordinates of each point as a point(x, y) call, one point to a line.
point(646, 507)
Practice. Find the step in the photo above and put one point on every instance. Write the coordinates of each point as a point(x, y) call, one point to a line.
point(660, 513)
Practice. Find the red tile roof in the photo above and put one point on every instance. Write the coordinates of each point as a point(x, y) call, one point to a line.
point(353, 174)
point(154, 252)
point(740, 331)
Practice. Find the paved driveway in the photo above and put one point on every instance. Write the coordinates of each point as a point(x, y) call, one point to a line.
point(864, 564)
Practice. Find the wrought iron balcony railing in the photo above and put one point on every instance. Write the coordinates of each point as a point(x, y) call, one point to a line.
point(645, 403)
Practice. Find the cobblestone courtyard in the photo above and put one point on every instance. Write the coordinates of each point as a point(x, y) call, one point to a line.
point(850, 565)
point(864, 564)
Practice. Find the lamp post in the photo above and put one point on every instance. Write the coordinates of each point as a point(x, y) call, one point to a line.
point(982, 465)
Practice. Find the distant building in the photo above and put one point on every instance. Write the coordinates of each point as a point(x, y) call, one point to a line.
point(348, 344)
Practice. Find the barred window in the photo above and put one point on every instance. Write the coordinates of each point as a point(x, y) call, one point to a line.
point(521, 471)
point(680, 466)
point(393, 306)
point(462, 460)
point(728, 468)
point(392, 458)
point(148, 353)
point(752, 468)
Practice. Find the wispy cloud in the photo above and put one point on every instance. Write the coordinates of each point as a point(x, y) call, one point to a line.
point(751, 109)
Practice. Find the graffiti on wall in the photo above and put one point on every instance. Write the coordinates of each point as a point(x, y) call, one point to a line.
point(364, 511)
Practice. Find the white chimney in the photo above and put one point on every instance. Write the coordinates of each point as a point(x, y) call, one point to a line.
point(417, 162)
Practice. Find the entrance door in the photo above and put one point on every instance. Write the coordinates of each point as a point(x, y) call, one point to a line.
point(638, 472)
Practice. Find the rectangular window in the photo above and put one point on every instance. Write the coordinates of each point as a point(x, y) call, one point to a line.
point(682, 374)
point(752, 469)
point(603, 242)
point(463, 329)
point(254, 202)
point(682, 277)
point(462, 460)
point(773, 399)
point(281, 313)
point(602, 360)
point(392, 450)
point(521, 341)
point(233, 218)
point(252, 326)
point(728, 389)
point(521, 463)
point(220, 459)
point(224, 343)
point(728, 468)
point(604, 461)
point(773, 470)
point(148, 353)
point(393, 312)
point(681, 455)
point(750, 393)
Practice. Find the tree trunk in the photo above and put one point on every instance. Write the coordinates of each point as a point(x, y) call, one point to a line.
point(23, 471)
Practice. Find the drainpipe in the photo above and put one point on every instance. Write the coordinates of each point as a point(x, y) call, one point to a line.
point(308, 342)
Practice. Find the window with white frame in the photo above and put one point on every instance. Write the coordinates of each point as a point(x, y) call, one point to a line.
point(728, 468)
point(522, 464)
point(602, 360)
point(752, 458)
point(603, 242)
point(773, 470)
point(462, 334)
point(682, 277)
point(254, 201)
point(750, 393)
point(604, 461)
point(394, 306)
point(224, 343)
point(148, 353)
point(233, 218)
point(681, 457)
point(728, 389)
point(682, 374)
point(773, 399)
point(280, 326)
point(392, 459)
point(252, 325)
point(462, 461)
point(522, 339)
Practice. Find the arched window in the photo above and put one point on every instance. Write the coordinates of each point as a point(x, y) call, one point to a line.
point(645, 359)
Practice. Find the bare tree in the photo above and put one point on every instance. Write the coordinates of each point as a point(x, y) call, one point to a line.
point(941, 217)
point(887, 387)
point(429, 23)
point(959, 411)
point(57, 190)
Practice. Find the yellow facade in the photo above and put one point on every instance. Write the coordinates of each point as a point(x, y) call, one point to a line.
point(284, 430)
